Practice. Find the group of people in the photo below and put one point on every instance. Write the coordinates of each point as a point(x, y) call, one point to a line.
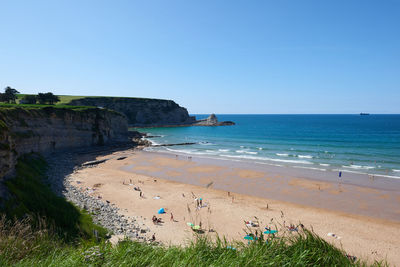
point(156, 220)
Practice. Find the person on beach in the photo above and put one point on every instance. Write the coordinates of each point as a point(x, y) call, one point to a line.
point(340, 174)
point(172, 217)
point(141, 194)
point(153, 238)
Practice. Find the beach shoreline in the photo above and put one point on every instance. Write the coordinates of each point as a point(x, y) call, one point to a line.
point(225, 213)
point(352, 193)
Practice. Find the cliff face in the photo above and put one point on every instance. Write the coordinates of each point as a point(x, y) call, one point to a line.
point(141, 111)
point(44, 130)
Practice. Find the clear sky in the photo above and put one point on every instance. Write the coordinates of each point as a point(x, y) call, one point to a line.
point(209, 56)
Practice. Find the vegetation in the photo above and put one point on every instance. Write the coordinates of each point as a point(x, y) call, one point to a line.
point(9, 95)
point(41, 248)
point(32, 198)
point(29, 99)
point(47, 98)
point(43, 98)
point(64, 99)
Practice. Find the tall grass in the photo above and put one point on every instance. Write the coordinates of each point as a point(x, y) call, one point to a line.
point(21, 245)
point(31, 197)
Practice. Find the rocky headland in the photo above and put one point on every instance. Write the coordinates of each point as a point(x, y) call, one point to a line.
point(145, 112)
point(141, 111)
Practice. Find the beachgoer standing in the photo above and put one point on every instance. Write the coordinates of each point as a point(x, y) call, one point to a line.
point(172, 217)
point(141, 194)
point(153, 238)
point(340, 174)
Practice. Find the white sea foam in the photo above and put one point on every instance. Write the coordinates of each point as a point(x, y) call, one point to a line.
point(310, 168)
point(179, 150)
point(325, 164)
point(223, 150)
point(268, 159)
point(205, 143)
point(260, 148)
point(282, 154)
point(251, 152)
point(270, 164)
point(240, 151)
point(305, 156)
point(154, 143)
point(396, 170)
point(358, 167)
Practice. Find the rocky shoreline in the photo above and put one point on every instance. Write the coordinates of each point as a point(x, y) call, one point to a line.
point(62, 167)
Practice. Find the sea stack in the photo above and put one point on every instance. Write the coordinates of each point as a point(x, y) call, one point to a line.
point(213, 121)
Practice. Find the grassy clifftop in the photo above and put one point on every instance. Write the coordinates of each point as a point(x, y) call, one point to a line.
point(65, 99)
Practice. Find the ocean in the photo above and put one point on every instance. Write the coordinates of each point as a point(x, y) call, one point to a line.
point(348, 143)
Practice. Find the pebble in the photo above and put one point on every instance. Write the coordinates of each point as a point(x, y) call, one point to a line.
point(61, 168)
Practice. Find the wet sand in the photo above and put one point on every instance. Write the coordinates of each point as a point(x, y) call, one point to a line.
point(365, 214)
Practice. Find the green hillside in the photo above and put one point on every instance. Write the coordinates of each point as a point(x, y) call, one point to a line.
point(64, 99)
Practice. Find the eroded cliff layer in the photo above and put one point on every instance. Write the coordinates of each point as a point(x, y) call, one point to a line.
point(44, 130)
point(142, 111)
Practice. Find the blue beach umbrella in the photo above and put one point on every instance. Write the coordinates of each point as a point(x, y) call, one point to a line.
point(161, 211)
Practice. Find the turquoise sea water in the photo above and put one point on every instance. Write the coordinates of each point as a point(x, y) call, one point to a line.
point(351, 143)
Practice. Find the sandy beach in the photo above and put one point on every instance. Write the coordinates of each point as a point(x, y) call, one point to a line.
point(363, 215)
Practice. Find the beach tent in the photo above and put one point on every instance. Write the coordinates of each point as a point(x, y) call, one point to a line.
point(190, 224)
point(161, 211)
point(270, 232)
point(248, 237)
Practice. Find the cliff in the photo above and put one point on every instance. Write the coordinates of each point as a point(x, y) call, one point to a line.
point(47, 129)
point(142, 111)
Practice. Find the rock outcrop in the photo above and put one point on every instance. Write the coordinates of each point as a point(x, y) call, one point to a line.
point(44, 130)
point(213, 121)
point(141, 111)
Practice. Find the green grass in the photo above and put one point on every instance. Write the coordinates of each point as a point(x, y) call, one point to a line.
point(36, 240)
point(36, 106)
point(64, 99)
point(304, 249)
point(31, 197)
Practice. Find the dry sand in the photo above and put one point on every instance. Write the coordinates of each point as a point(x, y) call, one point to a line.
point(363, 236)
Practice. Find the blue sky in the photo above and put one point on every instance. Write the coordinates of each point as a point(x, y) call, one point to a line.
point(209, 56)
